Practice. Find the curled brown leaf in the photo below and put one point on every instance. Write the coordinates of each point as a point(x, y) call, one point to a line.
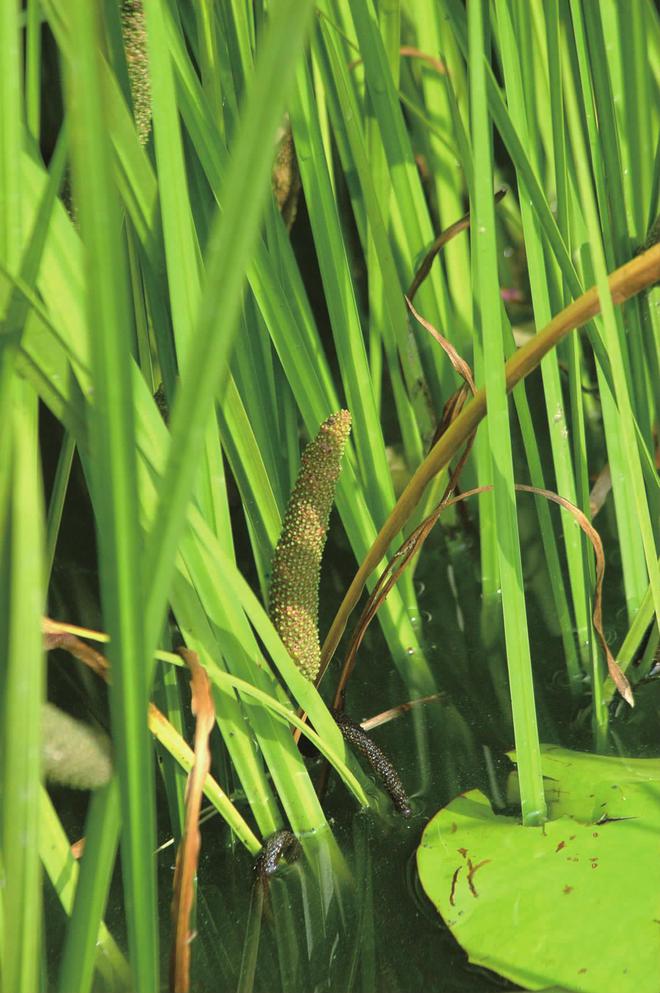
point(189, 847)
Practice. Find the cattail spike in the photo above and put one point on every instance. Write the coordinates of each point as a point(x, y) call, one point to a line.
point(137, 61)
point(294, 586)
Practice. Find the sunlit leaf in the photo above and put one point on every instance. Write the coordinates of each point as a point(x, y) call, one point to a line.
point(543, 905)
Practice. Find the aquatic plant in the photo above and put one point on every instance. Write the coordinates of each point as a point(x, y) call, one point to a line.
point(137, 61)
point(73, 753)
point(179, 269)
point(296, 568)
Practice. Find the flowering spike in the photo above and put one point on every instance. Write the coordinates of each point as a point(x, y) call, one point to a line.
point(296, 571)
point(137, 61)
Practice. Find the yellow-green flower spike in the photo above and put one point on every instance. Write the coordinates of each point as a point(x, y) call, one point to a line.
point(137, 61)
point(294, 585)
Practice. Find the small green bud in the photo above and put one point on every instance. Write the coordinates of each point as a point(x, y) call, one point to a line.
point(73, 753)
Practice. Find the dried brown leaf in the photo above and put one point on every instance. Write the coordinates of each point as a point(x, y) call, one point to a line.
point(189, 847)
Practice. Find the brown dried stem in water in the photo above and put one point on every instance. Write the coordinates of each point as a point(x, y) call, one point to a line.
point(188, 853)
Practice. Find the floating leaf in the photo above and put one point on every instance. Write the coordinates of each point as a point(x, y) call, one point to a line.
point(544, 906)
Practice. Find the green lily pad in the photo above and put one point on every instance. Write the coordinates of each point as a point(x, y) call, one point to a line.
point(587, 787)
point(574, 903)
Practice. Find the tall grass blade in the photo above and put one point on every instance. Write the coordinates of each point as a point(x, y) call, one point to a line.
point(23, 678)
point(80, 952)
point(114, 481)
point(230, 245)
point(484, 249)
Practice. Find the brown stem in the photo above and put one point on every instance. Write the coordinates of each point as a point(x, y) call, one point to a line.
point(624, 283)
point(460, 225)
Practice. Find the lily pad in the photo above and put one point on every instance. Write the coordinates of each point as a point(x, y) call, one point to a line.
point(574, 903)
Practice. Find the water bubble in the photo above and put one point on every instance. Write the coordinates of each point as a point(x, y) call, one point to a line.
point(414, 618)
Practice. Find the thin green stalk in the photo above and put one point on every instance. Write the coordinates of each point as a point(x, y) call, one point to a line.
point(634, 525)
point(113, 474)
point(408, 202)
point(447, 165)
point(33, 68)
point(182, 250)
point(194, 622)
point(230, 245)
point(633, 639)
point(208, 49)
point(624, 283)
point(572, 347)
point(484, 248)
point(80, 952)
point(64, 874)
point(400, 349)
point(11, 140)
point(22, 597)
point(580, 462)
point(631, 345)
point(57, 497)
point(168, 696)
point(541, 296)
point(281, 297)
point(341, 300)
point(389, 16)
